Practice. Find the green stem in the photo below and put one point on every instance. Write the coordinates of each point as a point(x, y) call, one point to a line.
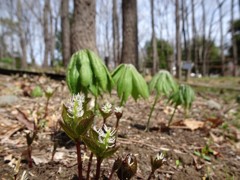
point(99, 161)
point(89, 165)
point(150, 115)
point(169, 122)
point(79, 160)
point(121, 103)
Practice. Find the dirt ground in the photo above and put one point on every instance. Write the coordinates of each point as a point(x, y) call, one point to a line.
point(215, 126)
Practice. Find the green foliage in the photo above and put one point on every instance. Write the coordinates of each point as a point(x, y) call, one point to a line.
point(102, 148)
point(86, 73)
point(37, 92)
point(184, 96)
point(163, 83)
point(7, 60)
point(129, 82)
point(74, 126)
point(164, 49)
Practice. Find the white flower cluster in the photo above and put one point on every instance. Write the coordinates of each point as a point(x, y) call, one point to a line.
point(75, 105)
point(107, 108)
point(160, 156)
point(118, 109)
point(106, 136)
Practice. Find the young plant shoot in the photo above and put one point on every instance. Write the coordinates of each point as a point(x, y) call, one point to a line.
point(184, 97)
point(157, 162)
point(77, 120)
point(163, 84)
point(102, 142)
point(129, 82)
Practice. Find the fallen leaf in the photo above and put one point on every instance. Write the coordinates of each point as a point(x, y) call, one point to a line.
point(21, 117)
point(193, 124)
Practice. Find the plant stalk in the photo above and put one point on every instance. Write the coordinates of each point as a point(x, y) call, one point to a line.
point(30, 164)
point(46, 108)
point(150, 175)
point(169, 122)
point(89, 165)
point(150, 115)
point(99, 161)
point(79, 160)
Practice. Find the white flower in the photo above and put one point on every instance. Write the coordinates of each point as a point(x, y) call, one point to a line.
point(106, 136)
point(160, 156)
point(107, 108)
point(49, 90)
point(75, 105)
point(118, 109)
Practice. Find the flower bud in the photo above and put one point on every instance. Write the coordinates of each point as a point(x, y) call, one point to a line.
point(157, 161)
point(128, 167)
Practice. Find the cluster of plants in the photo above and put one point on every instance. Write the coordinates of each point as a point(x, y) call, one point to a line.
point(88, 80)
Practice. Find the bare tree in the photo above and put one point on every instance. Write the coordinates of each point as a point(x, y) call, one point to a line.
point(115, 25)
point(65, 25)
point(194, 34)
point(203, 46)
point(22, 36)
point(178, 40)
point(234, 45)
point(220, 4)
point(46, 32)
point(130, 32)
point(83, 30)
point(154, 42)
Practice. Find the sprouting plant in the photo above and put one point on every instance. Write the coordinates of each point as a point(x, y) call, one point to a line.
point(163, 84)
point(126, 168)
point(102, 142)
point(184, 97)
point(129, 82)
point(156, 163)
point(106, 111)
point(87, 73)
point(48, 93)
point(77, 120)
point(118, 113)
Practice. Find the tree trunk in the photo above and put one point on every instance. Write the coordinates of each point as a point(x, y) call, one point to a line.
point(154, 43)
point(130, 32)
point(46, 33)
point(22, 36)
point(203, 51)
point(194, 34)
point(178, 41)
point(235, 58)
point(66, 53)
point(116, 44)
point(221, 35)
point(83, 29)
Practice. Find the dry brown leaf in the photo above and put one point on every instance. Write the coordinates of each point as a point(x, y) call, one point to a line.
point(193, 124)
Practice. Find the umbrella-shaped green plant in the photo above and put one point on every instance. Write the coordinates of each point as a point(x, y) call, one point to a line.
point(129, 82)
point(77, 120)
point(102, 143)
point(184, 97)
point(163, 84)
point(86, 73)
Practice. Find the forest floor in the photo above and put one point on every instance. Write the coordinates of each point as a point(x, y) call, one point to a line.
point(203, 145)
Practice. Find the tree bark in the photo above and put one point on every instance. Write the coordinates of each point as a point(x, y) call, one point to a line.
point(83, 29)
point(221, 35)
point(116, 44)
point(46, 32)
point(22, 36)
point(154, 43)
point(130, 32)
point(234, 45)
point(203, 51)
point(65, 25)
point(178, 41)
point(194, 33)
